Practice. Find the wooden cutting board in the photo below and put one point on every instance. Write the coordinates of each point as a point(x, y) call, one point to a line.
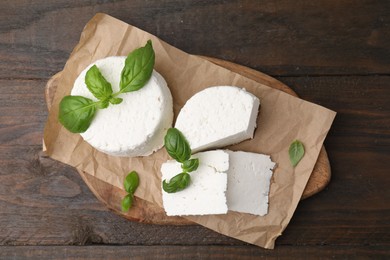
point(143, 211)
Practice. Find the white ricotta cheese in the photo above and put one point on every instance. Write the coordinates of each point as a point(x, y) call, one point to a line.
point(249, 178)
point(217, 117)
point(206, 192)
point(135, 127)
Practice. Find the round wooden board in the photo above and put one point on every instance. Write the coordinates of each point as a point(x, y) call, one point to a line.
point(143, 211)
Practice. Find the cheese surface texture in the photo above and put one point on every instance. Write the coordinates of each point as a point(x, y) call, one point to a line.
point(135, 127)
point(217, 117)
point(249, 178)
point(206, 192)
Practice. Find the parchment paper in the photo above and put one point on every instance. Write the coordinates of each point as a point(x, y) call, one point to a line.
point(282, 119)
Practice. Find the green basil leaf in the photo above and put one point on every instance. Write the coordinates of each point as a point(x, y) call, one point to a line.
point(76, 113)
point(296, 152)
point(177, 145)
point(131, 182)
point(190, 165)
point(177, 183)
point(115, 101)
point(97, 84)
point(102, 104)
point(138, 68)
point(127, 202)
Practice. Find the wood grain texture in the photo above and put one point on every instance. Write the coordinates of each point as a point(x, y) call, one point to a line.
point(198, 252)
point(278, 38)
point(334, 53)
point(144, 211)
point(22, 111)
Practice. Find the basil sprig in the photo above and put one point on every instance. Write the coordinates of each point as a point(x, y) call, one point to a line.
point(179, 149)
point(190, 165)
point(76, 113)
point(97, 84)
point(131, 184)
point(138, 68)
point(296, 152)
point(177, 183)
point(176, 145)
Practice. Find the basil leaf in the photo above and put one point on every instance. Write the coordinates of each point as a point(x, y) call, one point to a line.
point(177, 145)
point(102, 104)
point(131, 182)
point(190, 165)
point(179, 149)
point(115, 100)
point(138, 68)
point(97, 84)
point(177, 183)
point(127, 202)
point(76, 113)
point(296, 152)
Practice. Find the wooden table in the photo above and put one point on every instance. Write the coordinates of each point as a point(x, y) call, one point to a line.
point(334, 53)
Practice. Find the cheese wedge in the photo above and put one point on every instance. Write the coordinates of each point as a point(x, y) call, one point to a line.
point(217, 117)
point(135, 127)
point(206, 192)
point(249, 178)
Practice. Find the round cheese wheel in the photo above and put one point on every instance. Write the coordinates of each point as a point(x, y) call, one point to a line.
point(135, 127)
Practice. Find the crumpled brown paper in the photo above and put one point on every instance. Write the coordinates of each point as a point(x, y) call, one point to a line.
point(282, 119)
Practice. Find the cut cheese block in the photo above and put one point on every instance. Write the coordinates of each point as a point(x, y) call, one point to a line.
point(249, 178)
point(217, 117)
point(206, 191)
point(135, 127)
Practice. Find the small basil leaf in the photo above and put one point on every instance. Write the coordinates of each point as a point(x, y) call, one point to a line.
point(296, 152)
point(176, 145)
point(102, 104)
point(76, 113)
point(127, 202)
point(177, 183)
point(116, 101)
point(131, 182)
point(138, 68)
point(190, 165)
point(97, 84)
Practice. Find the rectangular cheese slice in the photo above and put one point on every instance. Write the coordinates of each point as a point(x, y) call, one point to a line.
point(206, 191)
point(249, 178)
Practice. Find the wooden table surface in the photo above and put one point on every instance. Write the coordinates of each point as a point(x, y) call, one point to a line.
point(333, 53)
